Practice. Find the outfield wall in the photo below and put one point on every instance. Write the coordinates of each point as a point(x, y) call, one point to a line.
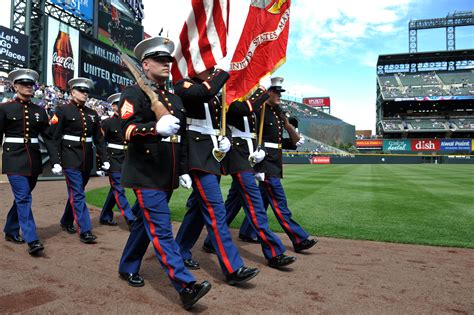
point(379, 159)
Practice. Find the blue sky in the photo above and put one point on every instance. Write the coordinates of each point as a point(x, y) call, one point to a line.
point(333, 45)
point(334, 54)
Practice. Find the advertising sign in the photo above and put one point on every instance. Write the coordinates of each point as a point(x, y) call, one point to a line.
point(62, 54)
point(396, 145)
point(317, 101)
point(14, 46)
point(124, 33)
point(83, 9)
point(103, 65)
point(320, 160)
point(425, 144)
point(369, 143)
point(456, 144)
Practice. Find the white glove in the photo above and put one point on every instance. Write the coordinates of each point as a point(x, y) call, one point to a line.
point(258, 155)
point(300, 142)
point(266, 82)
point(105, 166)
point(100, 173)
point(260, 177)
point(167, 125)
point(224, 64)
point(57, 169)
point(224, 144)
point(185, 181)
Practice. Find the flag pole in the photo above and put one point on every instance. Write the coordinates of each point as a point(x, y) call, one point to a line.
point(218, 155)
point(252, 159)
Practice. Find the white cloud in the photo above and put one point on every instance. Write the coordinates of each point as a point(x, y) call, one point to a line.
point(5, 14)
point(324, 28)
point(303, 90)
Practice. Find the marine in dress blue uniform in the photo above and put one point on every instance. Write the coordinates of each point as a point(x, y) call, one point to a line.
point(154, 161)
point(242, 122)
point(116, 146)
point(22, 121)
point(270, 170)
point(203, 107)
point(76, 128)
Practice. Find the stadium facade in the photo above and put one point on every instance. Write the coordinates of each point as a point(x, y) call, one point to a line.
point(425, 102)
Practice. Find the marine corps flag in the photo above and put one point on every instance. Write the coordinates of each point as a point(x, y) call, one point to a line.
point(261, 48)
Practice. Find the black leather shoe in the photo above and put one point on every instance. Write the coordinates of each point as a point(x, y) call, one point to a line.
point(87, 237)
point(69, 228)
point(281, 261)
point(245, 238)
point(17, 239)
point(306, 244)
point(208, 249)
point(243, 274)
point(35, 247)
point(193, 293)
point(108, 222)
point(133, 279)
point(191, 264)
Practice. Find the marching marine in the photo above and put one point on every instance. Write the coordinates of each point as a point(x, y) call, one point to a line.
point(154, 161)
point(76, 129)
point(205, 146)
point(116, 147)
point(22, 121)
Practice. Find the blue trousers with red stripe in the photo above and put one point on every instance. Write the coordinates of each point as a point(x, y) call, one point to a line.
point(153, 224)
point(76, 209)
point(233, 204)
point(273, 194)
point(117, 197)
point(209, 210)
point(20, 214)
point(251, 199)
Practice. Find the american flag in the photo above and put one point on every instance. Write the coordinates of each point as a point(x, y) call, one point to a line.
point(203, 39)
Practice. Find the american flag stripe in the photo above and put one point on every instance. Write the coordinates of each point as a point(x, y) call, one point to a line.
point(203, 38)
point(205, 48)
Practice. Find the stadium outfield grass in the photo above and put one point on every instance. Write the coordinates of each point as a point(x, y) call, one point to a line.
point(417, 204)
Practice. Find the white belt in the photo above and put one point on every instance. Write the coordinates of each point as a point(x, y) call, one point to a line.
point(116, 146)
point(272, 145)
point(173, 139)
point(20, 140)
point(76, 138)
point(242, 134)
point(204, 130)
point(196, 122)
point(204, 126)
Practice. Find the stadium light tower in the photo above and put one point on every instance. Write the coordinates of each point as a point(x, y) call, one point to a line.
point(450, 22)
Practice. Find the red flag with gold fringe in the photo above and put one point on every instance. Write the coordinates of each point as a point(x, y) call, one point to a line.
point(261, 48)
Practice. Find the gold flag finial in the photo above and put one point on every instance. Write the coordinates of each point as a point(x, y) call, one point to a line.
point(275, 8)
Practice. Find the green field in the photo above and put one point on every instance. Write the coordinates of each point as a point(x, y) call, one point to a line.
point(419, 204)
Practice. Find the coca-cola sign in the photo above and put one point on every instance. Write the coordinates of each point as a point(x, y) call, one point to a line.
point(65, 62)
point(425, 145)
point(62, 57)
